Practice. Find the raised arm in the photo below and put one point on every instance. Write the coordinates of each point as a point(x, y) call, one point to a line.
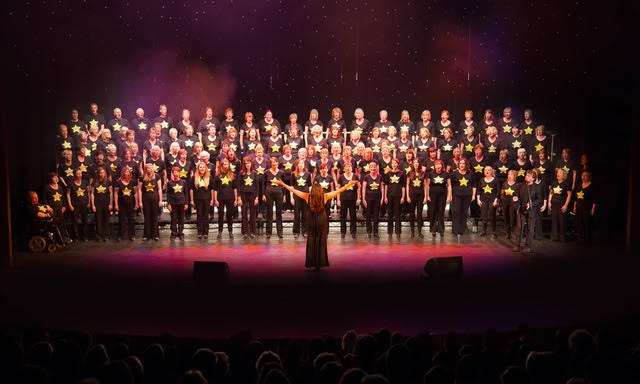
point(330, 195)
point(302, 195)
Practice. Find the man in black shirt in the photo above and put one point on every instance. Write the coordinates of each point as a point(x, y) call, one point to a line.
point(94, 119)
point(529, 199)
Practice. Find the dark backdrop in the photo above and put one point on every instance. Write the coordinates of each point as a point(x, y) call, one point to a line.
point(569, 61)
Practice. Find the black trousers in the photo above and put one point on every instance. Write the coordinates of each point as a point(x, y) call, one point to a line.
point(348, 207)
point(394, 214)
point(459, 206)
point(488, 215)
point(584, 223)
point(225, 210)
point(416, 207)
point(248, 213)
point(299, 216)
point(177, 219)
point(372, 214)
point(125, 217)
point(102, 220)
point(558, 222)
point(202, 215)
point(80, 213)
point(59, 221)
point(509, 214)
point(151, 212)
point(436, 211)
point(274, 196)
point(525, 228)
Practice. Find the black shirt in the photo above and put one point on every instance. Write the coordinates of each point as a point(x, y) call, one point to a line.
point(115, 125)
point(203, 126)
point(521, 169)
point(374, 186)
point(126, 192)
point(437, 182)
point(559, 192)
point(489, 191)
point(101, 192)
point(201, 190)
point(584, 198)
point(177, 192)
point(269, 180)
point(396, 181)
point(462, 185)
point(224, 185)
point(248, 183)
point(302, 182)
point(79, 193)
point(150, 187)
point(351, 193)
point(416, 183)
point(54, 197)
point(325, 182)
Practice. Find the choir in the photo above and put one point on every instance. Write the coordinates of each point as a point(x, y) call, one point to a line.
point(489, 168)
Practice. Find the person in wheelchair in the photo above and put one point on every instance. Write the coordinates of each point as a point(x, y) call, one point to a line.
point(41, 221)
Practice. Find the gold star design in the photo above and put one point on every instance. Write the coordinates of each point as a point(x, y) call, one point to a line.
point(408, 169)
point(580, 195)
point(386, 169)
point(539, 147)
point(80, 192)
point(503, 169)
point(516, 144)
point(521, 172)
point(392, 147)
point(294, 145)
point(376, 148)
point(126, 191)
point(201, 183)
point(423, 148)
point(288, 165)
point(149, 187)
point(275, 148)
point(487, 189)
point(374, 186)
point(116, 127)
point(541, 169)
point(267, 128)
point(224, 180)
point(478, 168)
point(142, 126)
point(164, 124)
point(350, 187)
point(509, 191)
point(83, 168)
point(260, 170)
point(228, 127)
point(248, 181)
point(565, 168)
point(528, 130)
point(507, 128)
point(183, 173)
point(68, 172)
point(113, 167)
point(394, 179)
point(416, 182)
point(212, 147)
point(468, 147)
point(56, 196)
point(438, 180)
point(335, 166)
point(404, 126)
point(446, 147)
point(88, 153)
point(42, 208)
point(274, 182)
point(177, 188)
point(366, 167)
point(557, 190)
point(403, 148)
point(464, 182)
point(318, 147)
point(75, 129)
point(101, 189)
point(188, 143)
point(383, 129)
point(492, 149)
point(301, 182)
point(93, 123)
point(324, 184)
point(252, 146)
point(233, 146)
point(156, 168)
point(94, 146)
point(66, 145)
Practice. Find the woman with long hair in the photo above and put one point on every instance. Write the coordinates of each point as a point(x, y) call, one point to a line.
point(394, 196)
point(461, 192)
point(225, 196)
point(201, 195)
point(273, 194)
point(437, 179)
point(488, 194)
point(301, 179)
point(559, 198)
point(509, 210)
point(417, 192)
point(126, 202)
point(372, 197)
point(101, 203)
point(78, 201)
point(177, 202)
point(151, 202)
point(317, 221)
point(349, 201)
point(53, 197)
point(248, 200)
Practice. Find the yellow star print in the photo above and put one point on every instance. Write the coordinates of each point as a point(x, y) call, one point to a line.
point(464, 182)
point(228, 127)
point(403, 148)
point(294, 145)
point(83, 168)
point(274, 182)
point(211, 147)
point(201, 183)
point(252, 146)
point(56, 196)
point(392, 147)
point(233, 146)
point(66, 145)
point(528, 131)
point(394, 179)
point(539, 147)
point(188, 143)
point(386, 169)
point(68, 172)
point(374, 186)
point(407, 170)
point(156, 168)
point(423, 148)
point(142, 126)
point(509, 191)
point(468, 148)
point(260, 170)
point(487, 189)
point(375, 148)
point(93, 123)
point(267, 128)
point(80, 192)
point(318, 147)
point(565, 168)
point(416, 182)
point(288, 165)
point(521, 172)
point(350, 187)
point(101, 189)
point(183, 173)
point(94, 146)
point(438, 180)
point(383, 129)
point(580, 195)
point(541, 169)
point(177, 188)
point(516, 144)
point(113, 167)
point(478, 168)
point(507, 128)
point(164, 124)
point(301, 182)
point(492, 149)
point(248, 181)
point(149, 187)
point(366, 168)
point(275, 148)
point(557, 190)
point(503, 169)
point(116, 127)
point(42, 208)
point(224, 180)
point(446, 147)
point(126, 191)
point(75, 129)
point(324, 184)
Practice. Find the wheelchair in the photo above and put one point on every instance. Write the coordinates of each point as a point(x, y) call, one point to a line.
point(45, 239)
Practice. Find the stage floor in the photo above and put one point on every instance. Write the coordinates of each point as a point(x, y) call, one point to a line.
point(147, 287)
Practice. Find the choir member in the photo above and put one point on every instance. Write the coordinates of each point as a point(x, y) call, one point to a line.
point(326, 181)
point(126, 202)
point(466, 123)
point(487, 197)
point(250, 143)
point(150, 186)
point(528, 126)
point(544, 186)
point(229, 122)
point(360, 124)
point(529, 199)
point(177, 202)
point(375, 140)
point(141, 125)
point(392, 140)
point(406, 124)
point(443, 124)
point(293, 138)
point(565, 162)
point(248, 125)
point(172, 155)
point(105, 140)
point(422, 144)
point(509, 209)
point(266, 123)
point(76, 126)
point(201, 194)
point(335, 136)
point(234, 139)
point(115, 125)
point(452, 164)
point(301, 180)
point(491, 142)
point(461, 192)
point(478, 162)
point(157, 164)
point(468, 141)
point(94, 119)
point(317, 140)
point(446, 145)
point(209, 120)
point(425, 122)
point(429, 163)
point(53, 197)
point(261, 164)
point(166, 122)
point(211, 142)
point(273, 195)
point(522, 164)
point(225, 196)
point(383, 124)
point(248, 200)
point(394, 196)
point(585, 207)
point(506, 124)
point(66, 167)
point(513, 142)
point(101, 203)
point(337, 122)
point(502, 165)
point(417, 191)
point(559, 198)
point(92, 140)
point(313, 122)
point(186, 122)
point(292, 124)
point(274, 143)
point(189, 139)
point(348, 200)
point(78, 202)
point(438, 180)
point(544, 167)
point(372, 198)
point(63, 141)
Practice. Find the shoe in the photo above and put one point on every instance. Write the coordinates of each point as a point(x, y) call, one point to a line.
point(219, 236)
point(244, 236)
point(508, 236)
point(412, 234)
point(268, 236)
point(230, 235)
point(494, 236)
point(205, 236)
point(199, 236)
point(376, 236)
point(181, 236)
point(527, 250)
point(434, 234)
point(342, 235)
point(483, 234)
point(420, 235)
point(132, 238)
point(280, 235)
point(145, 238)
point(156, 239)
point(397, 236)
point(353, 235)
point(251, 235)
point(172, 237)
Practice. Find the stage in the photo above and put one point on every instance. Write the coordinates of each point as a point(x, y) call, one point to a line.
point(147, 287)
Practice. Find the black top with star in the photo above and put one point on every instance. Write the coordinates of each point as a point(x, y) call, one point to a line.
point(166, 123)
point(437, 182)
point(126, 192)
point(150, 187)
point(224, 186)
point(98, 120)
point(211, 145)
point(302, 182)
point(79, 193)
point(521, 169)
point(478, 166)
point(491, 149)
point(55, 198)
point(201, 191)
point(351, 193)
point(439, 129)
point(584, 198)
point(248, 183)
point(274, 147)
point(409, 126)
point(158, 165)
point(502, 170)
point(504, 128)
point(512, 144)
point(374, 186)
point(142, 127)
point(462, 185)
point(295, 143)
point(422, 148)
point(559, 192)
point(488, 191)
point(396, 181)
point(76, 128)
point(177, 192)
point(265, 128)
point(101, 192)
point(227, 125)
point(429, 125)
point(203, 126)
point(509, 190)
point(545, 170)
point(363, 127)
point(325, 181)
point(269, 178)
point(115, 126)
point(446, 149)
point(416, 183)
point(468, 145)
point(286, 165)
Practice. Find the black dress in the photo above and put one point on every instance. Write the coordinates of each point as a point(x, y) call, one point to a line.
point(317, 229)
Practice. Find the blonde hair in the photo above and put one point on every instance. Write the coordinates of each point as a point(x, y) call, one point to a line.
point(204, 178)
